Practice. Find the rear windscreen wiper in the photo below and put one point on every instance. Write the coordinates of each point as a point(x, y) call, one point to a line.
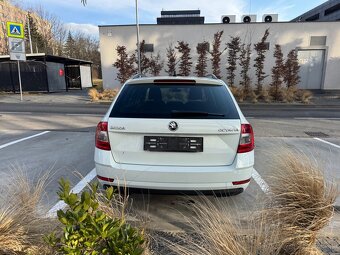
point(192, 113)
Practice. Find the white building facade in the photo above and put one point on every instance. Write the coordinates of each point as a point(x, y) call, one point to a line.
point(317, 43)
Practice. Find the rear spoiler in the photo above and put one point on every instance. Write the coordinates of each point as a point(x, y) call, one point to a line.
point(172, 81)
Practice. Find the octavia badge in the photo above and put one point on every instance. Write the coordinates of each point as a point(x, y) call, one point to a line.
point(173, 126)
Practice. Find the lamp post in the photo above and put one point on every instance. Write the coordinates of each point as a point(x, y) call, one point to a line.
point(138, 42)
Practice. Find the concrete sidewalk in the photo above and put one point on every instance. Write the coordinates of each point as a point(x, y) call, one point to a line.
point(70, 97)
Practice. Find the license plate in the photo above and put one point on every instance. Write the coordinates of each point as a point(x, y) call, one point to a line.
point(173, 144)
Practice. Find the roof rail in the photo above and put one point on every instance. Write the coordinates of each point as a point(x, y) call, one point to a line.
point(136, 76)
point(211, 76)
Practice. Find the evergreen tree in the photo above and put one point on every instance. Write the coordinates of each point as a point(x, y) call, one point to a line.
point(69, 49)
point(216, 54)
point(245, 66)
point(233, 49)
point(156, 64)
point(185, 59)
point(124, 64)
point(201, 66)
point(277, 73)
point(261, 49)
point(292, 68)
point(39, 44)
point(171, 57)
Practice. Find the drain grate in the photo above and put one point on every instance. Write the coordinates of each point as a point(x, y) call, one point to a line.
point(316, 134)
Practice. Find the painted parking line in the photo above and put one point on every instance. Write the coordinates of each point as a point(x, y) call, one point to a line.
point(23, 139)
point(76, 189)
point(310, 118)
point(262, 183)
point(329, 143)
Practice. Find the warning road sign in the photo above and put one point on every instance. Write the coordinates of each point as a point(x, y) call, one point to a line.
point(15, 30)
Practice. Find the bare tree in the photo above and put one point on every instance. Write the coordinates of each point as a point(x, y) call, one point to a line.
point(87, 47)
point(185, 59)
point(156, 64)
point(245, 66)
point(201, 66)
point(292, 68)
point(233, 49)
point(261, 49)
point(216, 54)
point(51, 28)
point(171, 57)
point(124, 64)
point(277, 73)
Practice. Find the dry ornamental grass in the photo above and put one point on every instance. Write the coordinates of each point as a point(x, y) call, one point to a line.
point(106, 95)
point(93, 94)
point(22, 221)
point(298, 205)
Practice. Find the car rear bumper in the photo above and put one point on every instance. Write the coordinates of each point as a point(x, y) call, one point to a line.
point(174, 177)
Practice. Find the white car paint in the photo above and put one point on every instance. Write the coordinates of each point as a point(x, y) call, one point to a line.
point(126, 164)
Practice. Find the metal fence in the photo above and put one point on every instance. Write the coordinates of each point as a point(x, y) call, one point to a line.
point(33, 76)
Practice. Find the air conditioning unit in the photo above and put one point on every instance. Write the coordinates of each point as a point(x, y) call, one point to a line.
point(248, 18)
point(226, 19)
point(268, 18)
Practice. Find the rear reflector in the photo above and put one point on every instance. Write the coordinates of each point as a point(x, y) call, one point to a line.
point(241, 182)
point(247, 142)
point(105, 178)
point(102, 137)
point(167, 81)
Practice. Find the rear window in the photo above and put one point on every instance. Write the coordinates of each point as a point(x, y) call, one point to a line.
point(180, 101)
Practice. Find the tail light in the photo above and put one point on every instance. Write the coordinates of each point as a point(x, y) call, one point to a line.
point(102, 137)
point(105, 178)
point(241, 182)
point(247, 142)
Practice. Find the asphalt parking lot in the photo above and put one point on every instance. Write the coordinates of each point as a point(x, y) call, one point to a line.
point(63, 145)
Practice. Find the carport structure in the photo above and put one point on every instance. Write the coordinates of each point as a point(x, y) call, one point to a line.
point(45, 73)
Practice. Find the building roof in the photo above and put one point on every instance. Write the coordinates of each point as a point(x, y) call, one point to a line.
point(181, 12)
point(213, 24)
point(321, 11)
point(50, 58)
point(180, 17)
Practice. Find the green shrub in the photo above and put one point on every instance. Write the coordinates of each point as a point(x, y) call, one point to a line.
point(88, 230)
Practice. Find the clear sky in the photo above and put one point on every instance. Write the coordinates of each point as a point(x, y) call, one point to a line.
point(108, 12)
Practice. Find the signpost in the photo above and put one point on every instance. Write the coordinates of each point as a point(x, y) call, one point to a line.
point(16, 41)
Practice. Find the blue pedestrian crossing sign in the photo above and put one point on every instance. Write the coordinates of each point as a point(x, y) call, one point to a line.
point(15, 30)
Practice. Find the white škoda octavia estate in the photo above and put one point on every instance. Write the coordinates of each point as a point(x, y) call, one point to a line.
point(175, 133)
